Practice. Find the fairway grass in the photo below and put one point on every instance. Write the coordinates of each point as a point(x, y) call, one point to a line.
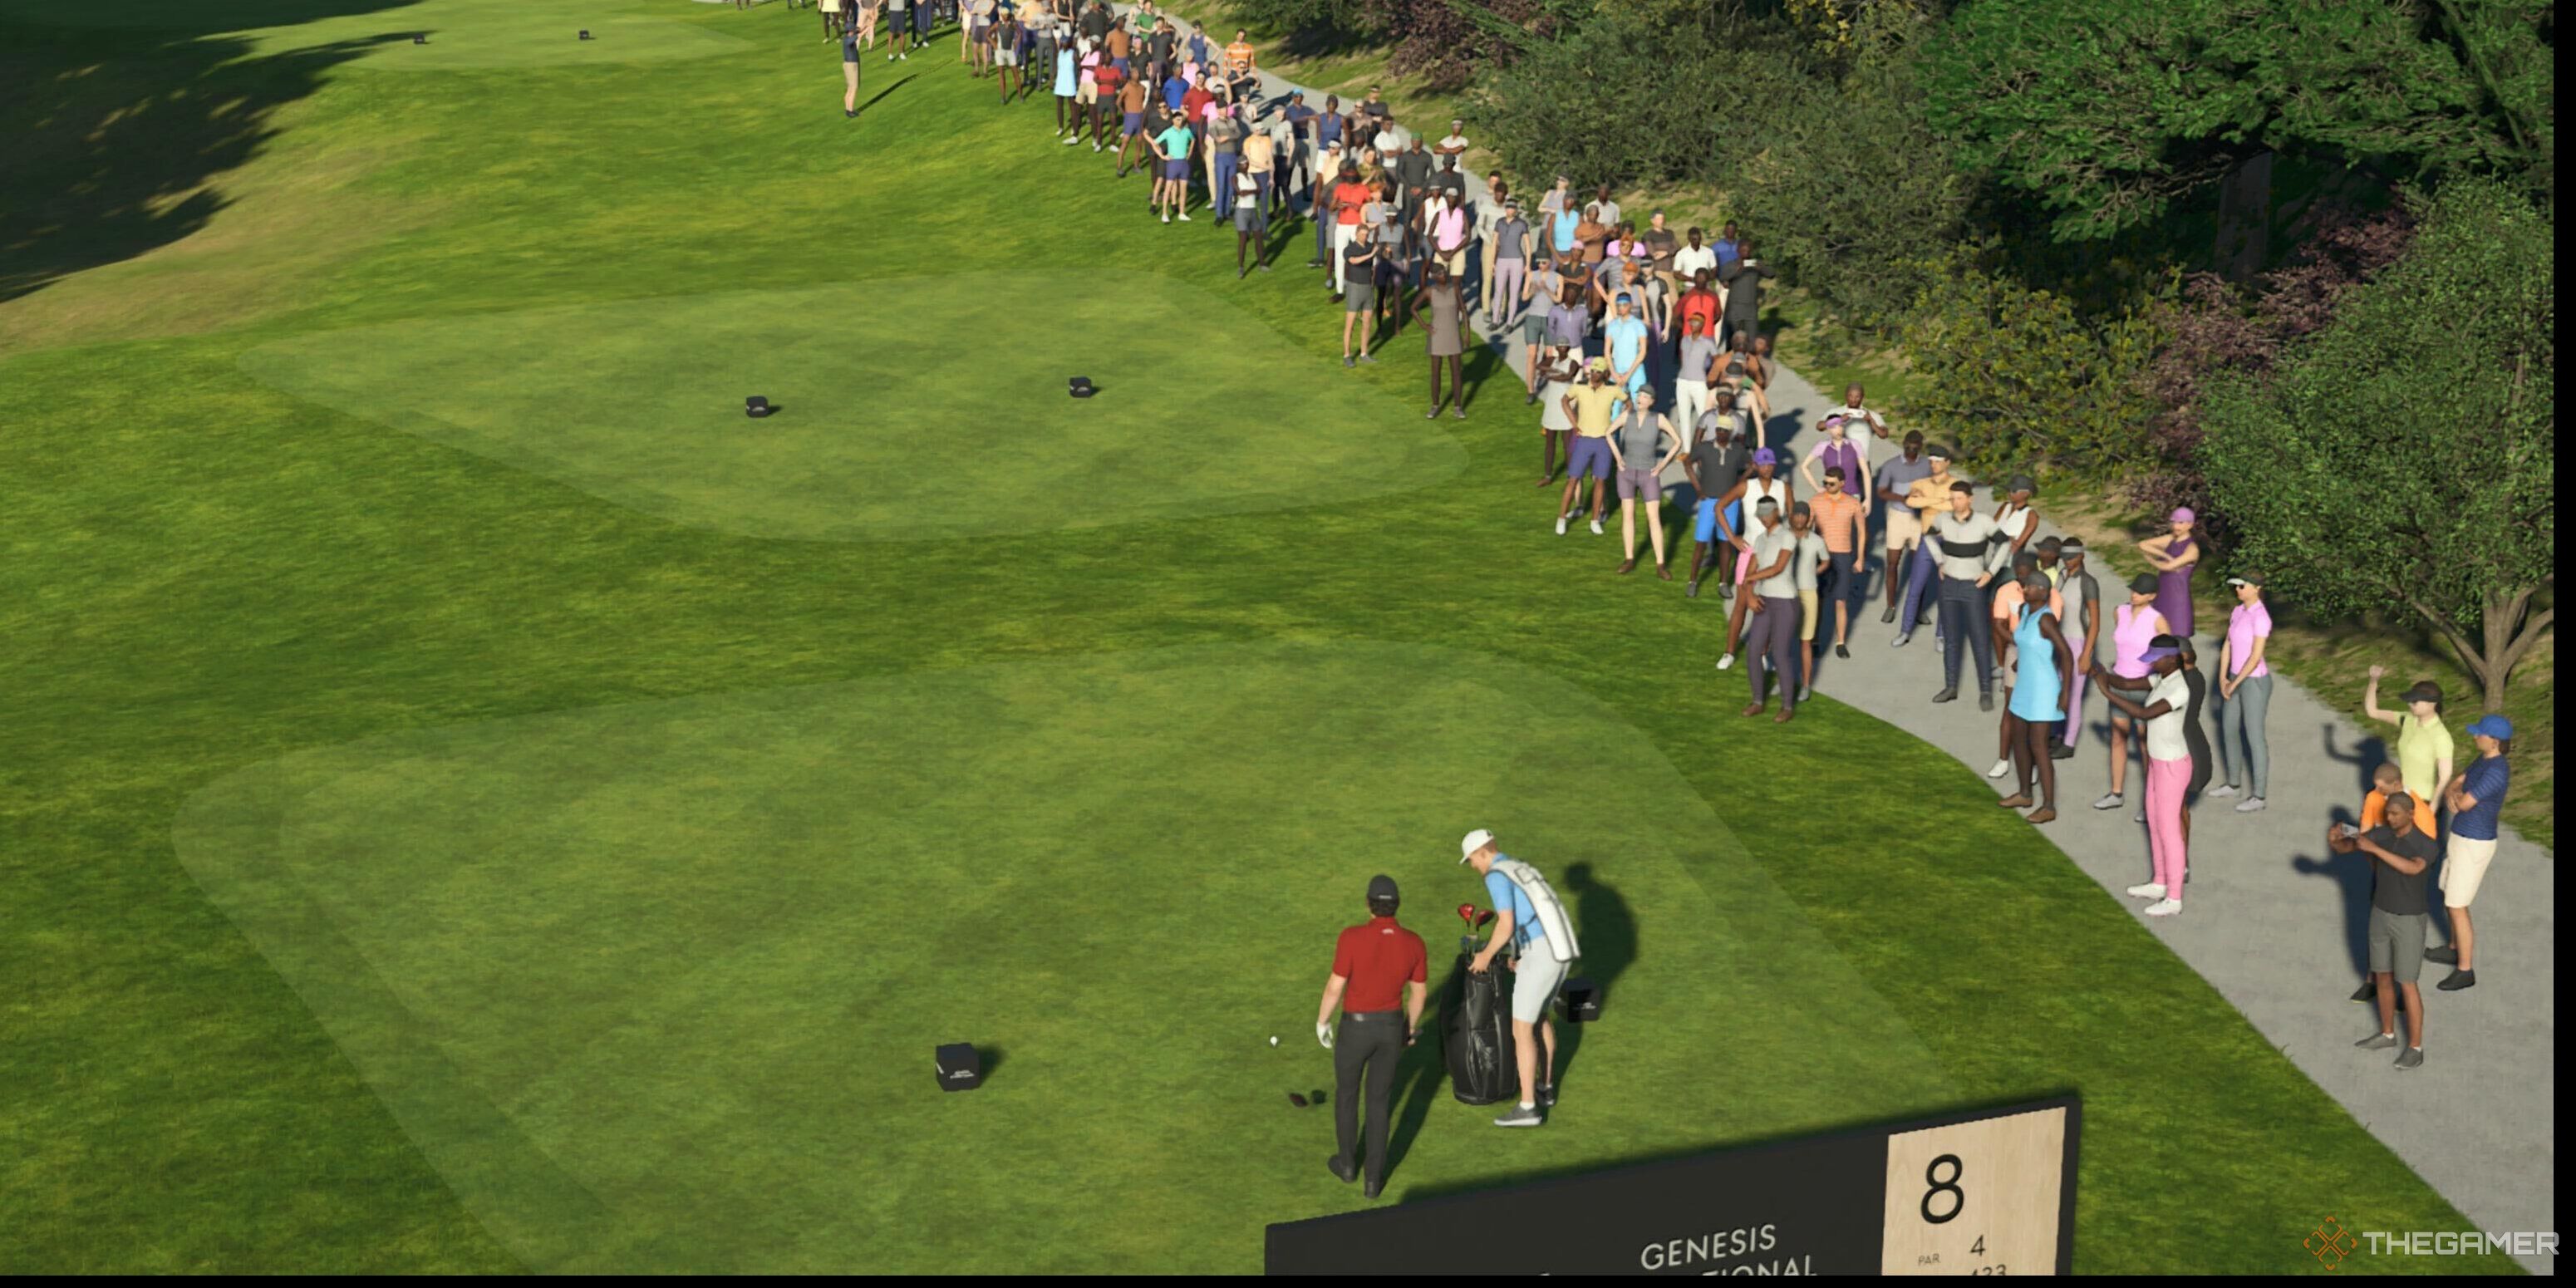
point(656, 985)
point(463, 34)
point(306, 645)
point(915, 408)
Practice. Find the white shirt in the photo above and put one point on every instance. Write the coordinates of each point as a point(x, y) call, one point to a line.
point(1689, 260)
point(2165, 740)
point(1389, 142)
point(1453, 143)
point(1767, 547)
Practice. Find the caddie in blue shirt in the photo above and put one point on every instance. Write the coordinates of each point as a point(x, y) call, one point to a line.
point(1537, 975)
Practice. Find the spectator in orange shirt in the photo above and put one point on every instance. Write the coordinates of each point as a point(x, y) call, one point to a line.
point(1239, 66)
point(1843, 521)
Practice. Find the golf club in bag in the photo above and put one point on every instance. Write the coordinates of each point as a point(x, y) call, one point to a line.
point(1476, 1035)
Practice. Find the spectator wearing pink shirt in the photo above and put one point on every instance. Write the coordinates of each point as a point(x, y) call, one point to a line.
point(2245, 696)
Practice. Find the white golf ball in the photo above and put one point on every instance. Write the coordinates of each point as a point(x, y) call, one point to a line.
point(1274, 1039)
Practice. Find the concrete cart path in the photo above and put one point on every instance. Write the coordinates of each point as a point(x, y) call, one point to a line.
point(2273, 921)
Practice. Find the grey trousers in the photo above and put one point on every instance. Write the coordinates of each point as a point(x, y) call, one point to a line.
point(2241, 746)
point(1366, 1050)
point(1772, 634)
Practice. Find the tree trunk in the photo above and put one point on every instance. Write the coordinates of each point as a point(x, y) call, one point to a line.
point(2245, 219)
point(2506, 637)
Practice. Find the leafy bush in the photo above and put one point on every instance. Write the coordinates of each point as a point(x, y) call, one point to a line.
point(2404, 457)
point(2015, 377)
point(1853, 192)
point(2211, 328)
point(2105, 111)
point(1620, 99)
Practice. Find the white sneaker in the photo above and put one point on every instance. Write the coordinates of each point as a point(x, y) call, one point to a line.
point(1185, 218)
point(1167, 216)
point(2002, 767)
point(1560, 524)
point(2220, 793)
point(2151, 890)
point(1073, 140)
point(1596, 527)
point(1725, 661)
point(2251, 805)
point(2164, 907)
point(2110, 800)
point(2139, 817)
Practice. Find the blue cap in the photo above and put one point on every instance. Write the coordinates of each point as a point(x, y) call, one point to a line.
point(2496, 727)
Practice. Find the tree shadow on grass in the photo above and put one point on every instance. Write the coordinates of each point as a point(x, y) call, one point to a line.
point(117, 141)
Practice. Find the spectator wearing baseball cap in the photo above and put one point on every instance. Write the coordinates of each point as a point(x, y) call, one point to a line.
point(2476, 799)
point(1381, 975)
point(2163, 713)
point(2245, 697)
point(2423, 741)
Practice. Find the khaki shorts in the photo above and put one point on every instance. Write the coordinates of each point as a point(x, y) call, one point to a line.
point(2464, 867)
point(1806, 616)
point(1904, 527)
point(1535, 985)
point(1086, 92)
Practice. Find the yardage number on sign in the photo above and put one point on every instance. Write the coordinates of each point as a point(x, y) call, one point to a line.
point(1975, 1198)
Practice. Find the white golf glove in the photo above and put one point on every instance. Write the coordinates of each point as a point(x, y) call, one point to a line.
point(1324, 1034)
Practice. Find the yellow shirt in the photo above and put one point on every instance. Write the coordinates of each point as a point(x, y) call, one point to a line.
point(1592, 404)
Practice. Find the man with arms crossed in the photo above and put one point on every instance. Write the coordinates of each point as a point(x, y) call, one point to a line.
point(1372, 963)
point(1927, 499)
point(2476, 797)
point(1537, 977)
point(1894, 483)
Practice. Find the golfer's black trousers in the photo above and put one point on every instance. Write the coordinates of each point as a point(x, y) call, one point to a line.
point(1368, 1046)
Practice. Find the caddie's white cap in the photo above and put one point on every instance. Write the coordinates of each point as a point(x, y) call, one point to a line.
point(1476, 840)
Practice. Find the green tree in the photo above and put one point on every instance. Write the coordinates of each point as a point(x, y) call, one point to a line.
point(2404, 457)
point(2017, 377)
point(1624, 99)
point(2105, 111)
point(1852, 189)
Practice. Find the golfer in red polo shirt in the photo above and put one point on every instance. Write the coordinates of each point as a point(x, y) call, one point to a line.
point(1373, 962)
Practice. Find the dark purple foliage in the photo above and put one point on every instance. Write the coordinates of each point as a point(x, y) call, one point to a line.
point(2214, 327)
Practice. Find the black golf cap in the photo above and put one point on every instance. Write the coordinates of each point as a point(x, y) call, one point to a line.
point(1381, 886)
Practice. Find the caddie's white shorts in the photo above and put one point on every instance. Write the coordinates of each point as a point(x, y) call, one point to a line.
point(1536, 984)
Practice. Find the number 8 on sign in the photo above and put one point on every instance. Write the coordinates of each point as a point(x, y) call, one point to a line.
point(1975, 1198)
point(1944, 1186)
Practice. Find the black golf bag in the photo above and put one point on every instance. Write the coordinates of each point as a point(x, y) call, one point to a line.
point(1476, 1037)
